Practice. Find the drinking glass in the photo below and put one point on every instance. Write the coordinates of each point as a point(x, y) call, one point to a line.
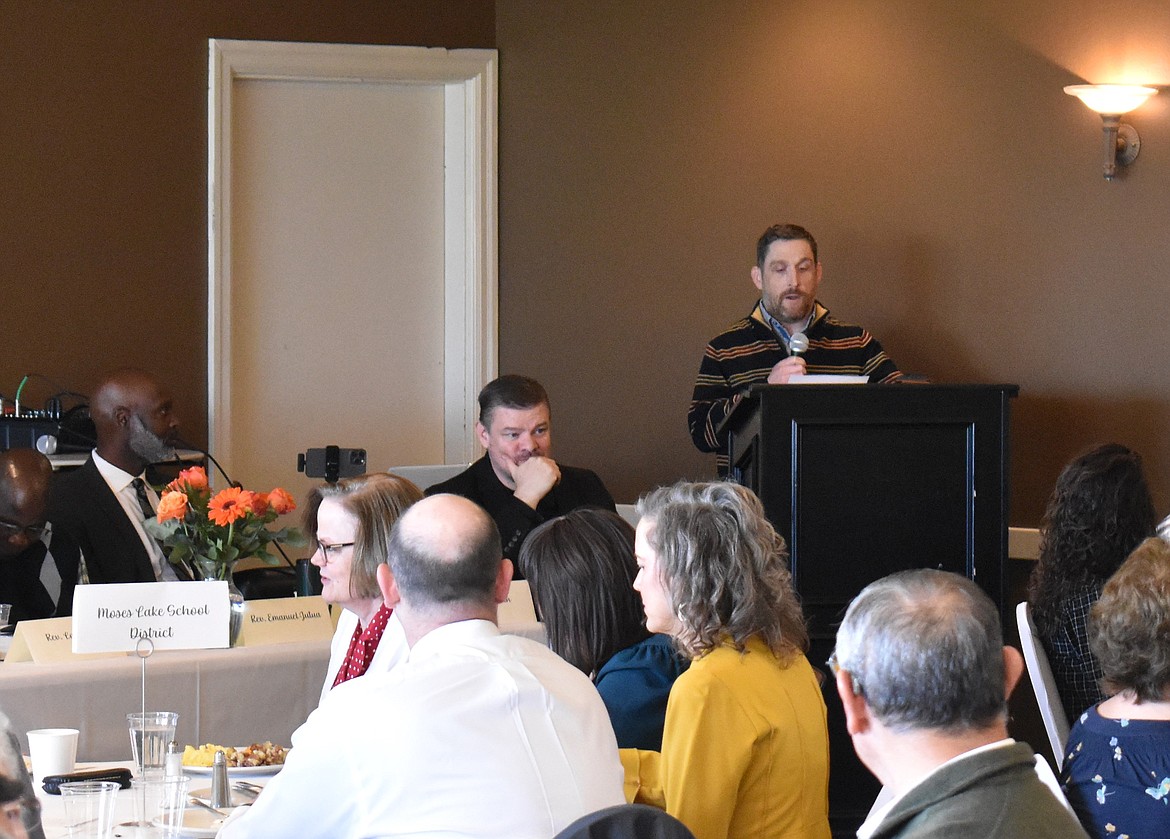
point(160, 802)
point(89, 808)
point(150, 734)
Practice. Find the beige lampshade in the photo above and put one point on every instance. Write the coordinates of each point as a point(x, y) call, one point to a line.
point(1111, 98)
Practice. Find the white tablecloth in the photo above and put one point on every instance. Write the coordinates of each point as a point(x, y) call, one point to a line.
point(234, 697)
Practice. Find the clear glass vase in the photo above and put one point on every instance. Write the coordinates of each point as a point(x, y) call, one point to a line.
point(209, 570)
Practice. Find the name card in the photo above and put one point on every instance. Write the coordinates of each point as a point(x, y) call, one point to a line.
point(284, 620)
point(116, 617)
point(518, 608)
point(47, 641)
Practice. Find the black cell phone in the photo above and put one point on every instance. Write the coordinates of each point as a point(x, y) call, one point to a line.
point(52, 783)
point(332, 462)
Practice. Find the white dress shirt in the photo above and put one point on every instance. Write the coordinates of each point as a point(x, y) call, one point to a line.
point(119, 481)
point(475, 734)
point(391, 649)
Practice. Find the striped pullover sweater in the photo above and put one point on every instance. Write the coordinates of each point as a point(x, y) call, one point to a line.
point(745, 353)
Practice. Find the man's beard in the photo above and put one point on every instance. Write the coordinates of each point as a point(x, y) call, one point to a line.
point(776, 309)
point(146, 444)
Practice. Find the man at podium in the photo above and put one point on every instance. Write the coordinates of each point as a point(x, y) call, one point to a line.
point(761, 349)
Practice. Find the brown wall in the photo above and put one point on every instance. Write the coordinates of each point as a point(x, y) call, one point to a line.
point(103, 167)
point(643, 146)
point(955, 190)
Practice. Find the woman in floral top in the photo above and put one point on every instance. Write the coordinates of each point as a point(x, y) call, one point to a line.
point(1117, 766)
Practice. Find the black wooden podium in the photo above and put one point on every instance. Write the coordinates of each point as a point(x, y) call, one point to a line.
point(865, 480)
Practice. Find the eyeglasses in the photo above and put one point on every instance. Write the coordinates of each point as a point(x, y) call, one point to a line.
point(835, 667)
point(332, 551)
point(10, 530)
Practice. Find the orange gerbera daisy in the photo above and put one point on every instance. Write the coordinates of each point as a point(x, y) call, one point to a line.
point(229, 505)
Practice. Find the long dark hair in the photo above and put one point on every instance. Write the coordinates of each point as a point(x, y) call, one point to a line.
point(1099, 512)
point(581, 570)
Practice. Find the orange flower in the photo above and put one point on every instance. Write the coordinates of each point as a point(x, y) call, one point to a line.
point(282, 502)
point(229, 505)
point(172, 505)
point(259, 504)
point(195, 477)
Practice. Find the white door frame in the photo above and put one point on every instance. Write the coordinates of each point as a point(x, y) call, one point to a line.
point(470, 274)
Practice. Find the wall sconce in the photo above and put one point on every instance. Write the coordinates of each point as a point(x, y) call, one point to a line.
point(1122, 143)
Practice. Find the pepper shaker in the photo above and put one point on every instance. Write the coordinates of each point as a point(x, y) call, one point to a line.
point(221, 794)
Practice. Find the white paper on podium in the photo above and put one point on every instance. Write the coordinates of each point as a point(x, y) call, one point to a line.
point(115, 617)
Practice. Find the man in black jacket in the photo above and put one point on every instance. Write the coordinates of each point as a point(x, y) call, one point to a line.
point(38, 568)
point(103, 504)
point(517, 481)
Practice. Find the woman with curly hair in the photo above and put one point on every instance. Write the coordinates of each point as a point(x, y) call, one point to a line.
point(1116, 771)
point(1099, 512)
point(745, 749)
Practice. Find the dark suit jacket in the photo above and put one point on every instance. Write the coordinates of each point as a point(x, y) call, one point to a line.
point(20, 579)
point(82, 506)
point(514, 518)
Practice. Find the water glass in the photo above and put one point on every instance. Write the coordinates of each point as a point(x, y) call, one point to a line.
point(89, 808)
point(150, 734)
point(5, 612)
point(160, 801)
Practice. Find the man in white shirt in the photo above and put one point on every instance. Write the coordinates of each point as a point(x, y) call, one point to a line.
point(103, 504)
point(924, 677)
point(475, 734)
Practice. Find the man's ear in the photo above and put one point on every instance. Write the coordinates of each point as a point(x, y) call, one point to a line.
point(503, 580)
point(388, 586)
point(481, 434)
point(1013, 669)
point(857, 718)
point(758, 278)
point(122, 415)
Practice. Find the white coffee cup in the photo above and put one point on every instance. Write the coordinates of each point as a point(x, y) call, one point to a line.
point(53, 751)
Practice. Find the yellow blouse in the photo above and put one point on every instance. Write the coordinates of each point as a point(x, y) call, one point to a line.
point(745, 750)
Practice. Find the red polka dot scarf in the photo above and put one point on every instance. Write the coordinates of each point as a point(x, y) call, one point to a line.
point(362, 647)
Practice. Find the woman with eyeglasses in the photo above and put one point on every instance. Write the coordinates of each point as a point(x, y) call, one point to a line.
point(745, 748)
point(350, 523)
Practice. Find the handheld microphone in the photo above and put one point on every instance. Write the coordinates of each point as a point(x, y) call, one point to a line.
point(797, 344)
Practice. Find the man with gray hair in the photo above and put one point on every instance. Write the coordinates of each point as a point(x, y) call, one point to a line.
point(475, 734)
point(924, 677)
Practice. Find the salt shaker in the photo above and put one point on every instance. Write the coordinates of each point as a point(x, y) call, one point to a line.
point(174, 762)
point(221, 794)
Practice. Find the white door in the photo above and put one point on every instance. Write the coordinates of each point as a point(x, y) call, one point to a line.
point(352, 287)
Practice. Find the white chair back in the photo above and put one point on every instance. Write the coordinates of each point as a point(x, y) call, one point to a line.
point(1043, 684)
point(428, 476)
point(629, 512)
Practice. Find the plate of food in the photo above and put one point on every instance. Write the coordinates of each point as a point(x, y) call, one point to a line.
point(257, 759)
